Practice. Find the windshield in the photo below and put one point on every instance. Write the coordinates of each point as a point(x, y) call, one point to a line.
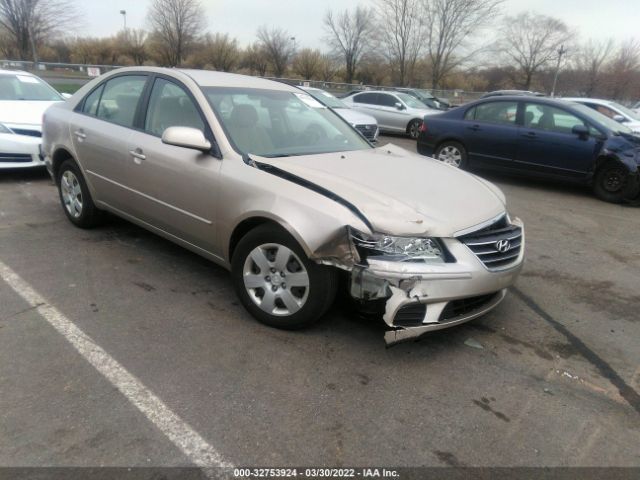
point(625, 111)
point(328, 99)
point(601, 119)
point(411, 102)
point(273, 123)
point(26, 87)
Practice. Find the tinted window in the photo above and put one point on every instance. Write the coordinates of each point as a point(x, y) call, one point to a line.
point(91, 101)
point(387, 100)
point(170, 106)
point(120, 99)
point(550, 118)
point(369, 98)
point(497, 112)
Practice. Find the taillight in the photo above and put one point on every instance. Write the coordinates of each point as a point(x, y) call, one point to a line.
point(423, 127)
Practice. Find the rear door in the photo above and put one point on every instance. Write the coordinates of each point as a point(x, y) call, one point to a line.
point(100, 129)
point(178, 187)
point(547, 145)
point(491, 133)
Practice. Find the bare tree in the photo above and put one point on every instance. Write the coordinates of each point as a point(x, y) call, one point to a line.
point(450, 26)
point(624, 67)
point(531, 41)
point(590, 59)
point(278, 46)
point(350, 34)
point(401, 26)
point(307, 63)
point(220, 52)
point(175, 25)
point(30, 22)
point(328, 68)
point(255, 60)
point(134, 45)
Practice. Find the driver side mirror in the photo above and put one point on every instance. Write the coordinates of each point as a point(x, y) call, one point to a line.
point(619, 118)
point(186, 137)
point(581, 131)
point(399, 106)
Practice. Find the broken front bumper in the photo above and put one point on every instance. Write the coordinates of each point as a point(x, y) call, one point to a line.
point(422, 297)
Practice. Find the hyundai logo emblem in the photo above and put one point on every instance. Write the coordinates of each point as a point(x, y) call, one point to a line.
point(503, 246)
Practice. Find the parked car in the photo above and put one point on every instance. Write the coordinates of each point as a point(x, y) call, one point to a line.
point(365, 124)
point(538, 137)
point(426, 97)
point(395, 112)
point(263, 180)
point(502, 93)
point(23, 100)
point(613, 110)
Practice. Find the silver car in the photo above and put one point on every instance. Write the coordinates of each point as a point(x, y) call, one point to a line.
point(396, 112)
point(262, 179)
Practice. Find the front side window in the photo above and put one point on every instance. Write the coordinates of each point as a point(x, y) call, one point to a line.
point(120, 99)
point(546, 117)
point(170, 106)
point(274, 123)
point(90, 105)
point(387, 100)
point(410, 101)
point(26, 87)
point(497, 112)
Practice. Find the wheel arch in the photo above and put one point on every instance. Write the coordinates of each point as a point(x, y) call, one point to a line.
point(419, 119)
point(450, 139)
point(60, 155)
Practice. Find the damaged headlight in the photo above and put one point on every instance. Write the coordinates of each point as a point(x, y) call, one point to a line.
point(397, 249)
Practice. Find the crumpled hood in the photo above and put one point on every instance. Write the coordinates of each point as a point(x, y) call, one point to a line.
point(400, 192)
point(24, 112)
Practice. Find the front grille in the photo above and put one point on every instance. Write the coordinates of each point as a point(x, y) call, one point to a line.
point(369, 131)
point(463, 306)
point(24, 131)
point(410, 315)
point(15, 158)
point(497, 246)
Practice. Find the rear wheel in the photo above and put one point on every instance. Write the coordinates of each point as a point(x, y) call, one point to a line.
point(413, 129)
point(75, 197)
point(277, 283)
point(452, 153)
point(612, 183)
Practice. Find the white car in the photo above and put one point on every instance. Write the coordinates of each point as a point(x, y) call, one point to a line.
point(23, 101)
point(613, 110)
point(365, 124)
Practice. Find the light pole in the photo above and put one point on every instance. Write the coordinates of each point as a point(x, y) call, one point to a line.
point(293, 39)
point(124, 18)
point(561, 52)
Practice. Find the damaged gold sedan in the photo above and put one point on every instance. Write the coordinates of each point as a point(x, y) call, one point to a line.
point(264, 180)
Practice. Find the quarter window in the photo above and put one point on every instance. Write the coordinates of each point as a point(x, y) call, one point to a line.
point(120, 98)
point(496, 112)
point(546, 117)
point(170, 106)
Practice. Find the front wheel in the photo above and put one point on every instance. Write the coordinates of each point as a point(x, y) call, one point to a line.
point(452, 153)
point(612, 183)
point(413, 129)
point(277, 283)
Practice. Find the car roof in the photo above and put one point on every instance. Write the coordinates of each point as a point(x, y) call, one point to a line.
point(586, 99)
point(14, 72)
point(524, 98)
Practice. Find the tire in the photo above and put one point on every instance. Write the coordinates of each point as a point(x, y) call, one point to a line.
point(452, 153)
point(413, 129)
point(259, 261)
point(75, 198)
point(612, 183)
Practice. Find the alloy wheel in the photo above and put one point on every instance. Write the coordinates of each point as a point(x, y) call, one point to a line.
point(71, 193)
point(451, 156)
point(276, 279)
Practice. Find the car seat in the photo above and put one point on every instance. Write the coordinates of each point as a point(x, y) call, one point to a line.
point(246, 133)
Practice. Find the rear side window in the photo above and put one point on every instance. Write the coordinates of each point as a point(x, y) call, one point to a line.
point(369, 98)
point(170, 106)
point(496, 112)
point(90, 106)
point(120, 99)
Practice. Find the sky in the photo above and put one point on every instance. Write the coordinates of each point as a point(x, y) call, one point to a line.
point(303, 18)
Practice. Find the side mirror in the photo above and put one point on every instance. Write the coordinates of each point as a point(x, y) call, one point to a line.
point(581, 131)
point(399, 106)
point(186, 137)
point(66, 95)
point(619, 118)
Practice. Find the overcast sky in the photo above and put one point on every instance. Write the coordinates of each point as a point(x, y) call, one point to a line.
point(303, 18)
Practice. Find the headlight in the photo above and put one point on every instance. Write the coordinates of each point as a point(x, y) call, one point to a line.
point(397, 249)
point(4, 129)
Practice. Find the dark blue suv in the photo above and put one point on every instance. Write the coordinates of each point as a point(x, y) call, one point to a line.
point(539, 137)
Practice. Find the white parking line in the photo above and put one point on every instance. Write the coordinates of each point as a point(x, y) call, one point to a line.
point(177, 430)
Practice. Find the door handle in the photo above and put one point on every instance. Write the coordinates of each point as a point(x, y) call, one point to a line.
point(530, 135)
point(475, 128)
point(137, 154)
point(80, 134)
